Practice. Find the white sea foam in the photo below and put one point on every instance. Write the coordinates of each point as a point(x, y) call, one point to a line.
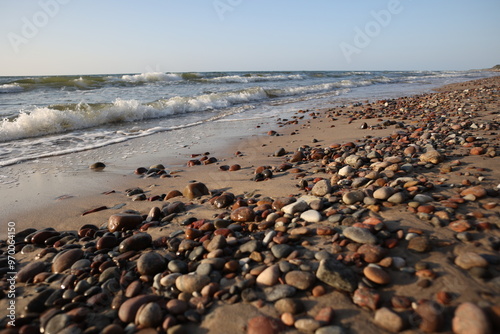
point(254, 78)
point(11, 88)
point(152, 77)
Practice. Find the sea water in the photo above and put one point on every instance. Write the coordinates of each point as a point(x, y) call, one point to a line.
point(43, 116)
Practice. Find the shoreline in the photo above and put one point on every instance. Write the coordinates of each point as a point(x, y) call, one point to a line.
point(388, 127)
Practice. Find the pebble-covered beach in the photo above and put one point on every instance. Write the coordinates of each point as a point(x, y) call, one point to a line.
point(374, 217)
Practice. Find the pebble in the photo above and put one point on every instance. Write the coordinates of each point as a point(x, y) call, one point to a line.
point(432, 156)
point(360, 235)
point(376, 274)
point(123, 222)
point(383, 193)
point(337, 275)
point(469, 260)
point(243, 214)
point(281, 250)
point(299, 206)
point(289, 305)
point(279, 291)
point(470, 319)
point(477, 192)
point(191, 283)
point(149, 315)
point(264, 325)
point(195, 190)
point(269, 277)
point(353, 197)
point(307, 325)
point(151, 264)
point(366, 297)
point(372, 253)
point(330, 330)
point(66, 259)
point(420, 244)
point(128, 310)
point(389, 320)
point(432, 318)
point(321, 188)
point(29, 271)
point(301, 280)
point(311, 216)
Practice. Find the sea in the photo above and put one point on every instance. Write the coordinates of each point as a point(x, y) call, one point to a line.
point(43, 116)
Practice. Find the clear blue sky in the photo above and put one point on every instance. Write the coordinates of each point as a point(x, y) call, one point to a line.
point(121, 36)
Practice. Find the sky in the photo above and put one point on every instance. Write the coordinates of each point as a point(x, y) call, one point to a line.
point(62, 37)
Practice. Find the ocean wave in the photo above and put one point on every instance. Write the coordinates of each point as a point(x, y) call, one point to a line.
point(11, 88)
point(152, 77)
point(253, 78)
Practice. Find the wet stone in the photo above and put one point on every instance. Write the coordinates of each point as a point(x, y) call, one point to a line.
point(123, 222)
point(65, 260)
point(31, 270)
point(136, 242)
point(195, 190)
point(243, 214)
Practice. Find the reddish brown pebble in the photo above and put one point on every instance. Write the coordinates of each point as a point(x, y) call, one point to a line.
point(377, 275)
point(477, 151)
point(264, 325)
point(318, 291)
point(234, 168)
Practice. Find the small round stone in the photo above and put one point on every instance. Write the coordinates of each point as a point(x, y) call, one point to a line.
point(376, 274)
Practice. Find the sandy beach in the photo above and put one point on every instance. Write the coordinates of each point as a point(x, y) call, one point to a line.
point(374, 217)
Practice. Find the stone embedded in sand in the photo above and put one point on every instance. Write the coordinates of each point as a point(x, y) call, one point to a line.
point(397, 198)
point(352, 197)
point(337, 275)
point(65, 260)
point(264, 325)
point(376, 274)
point(460, 225)
point(279, 291)
point(432, 156)
point(191, 283)
point(321, 188)
point(389, 320)
point(151, 264)
point(360, 235)
point(307, 325)
point(97, 166)
point(280, 152)
point(195, 190)
point(243, 214)
point(30, 271)
point(477, 191)
point(469, 260)
point(172, 194)
point(470, 319)
point(124, 221)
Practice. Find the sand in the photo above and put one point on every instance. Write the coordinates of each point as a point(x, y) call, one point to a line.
point(55, 192)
